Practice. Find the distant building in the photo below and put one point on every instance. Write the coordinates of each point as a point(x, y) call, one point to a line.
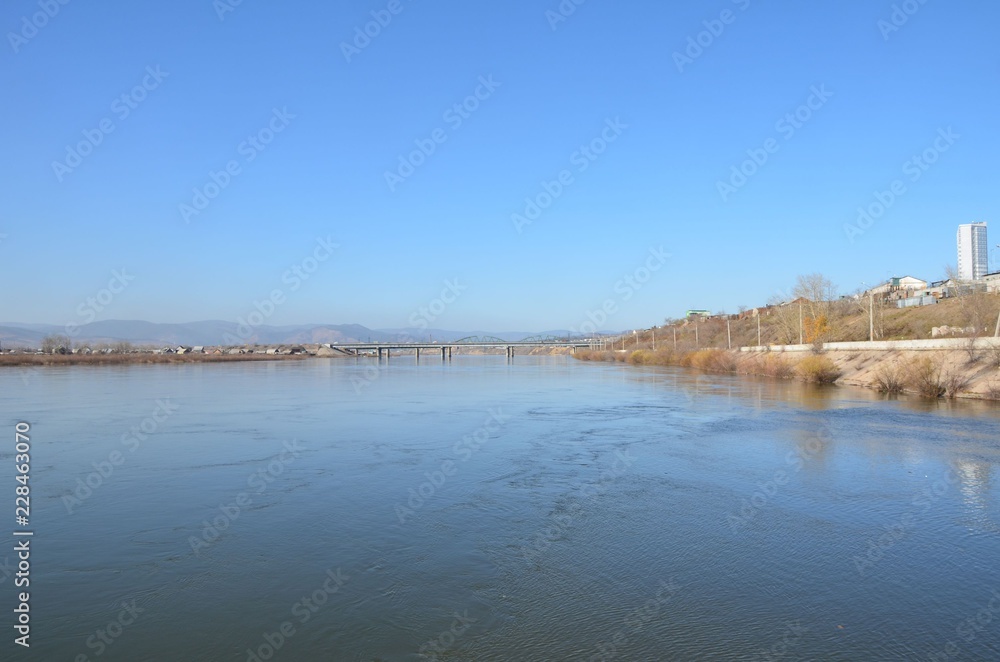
point(973, 251)
point(910, 302)
point(898, 287)
point(992, 281)
point(698, 313)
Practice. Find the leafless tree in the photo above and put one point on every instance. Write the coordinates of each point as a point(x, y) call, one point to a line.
point(56, 343)
point(818, 289)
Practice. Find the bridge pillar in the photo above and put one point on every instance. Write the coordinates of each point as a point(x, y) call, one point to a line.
point(449, 353)
point(379, 350)
point(442, 353)
point(418, 355)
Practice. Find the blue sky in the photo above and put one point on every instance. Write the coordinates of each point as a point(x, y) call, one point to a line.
point(206, 85)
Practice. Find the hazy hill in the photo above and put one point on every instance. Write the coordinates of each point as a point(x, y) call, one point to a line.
point(218, 332)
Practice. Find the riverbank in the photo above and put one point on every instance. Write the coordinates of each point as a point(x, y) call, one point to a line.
point(947, 368)
point(23, 359)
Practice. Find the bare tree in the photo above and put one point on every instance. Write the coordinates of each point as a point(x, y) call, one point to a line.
point(818, 289)
point(784, 320)
point(873, 307)
point(56, 344)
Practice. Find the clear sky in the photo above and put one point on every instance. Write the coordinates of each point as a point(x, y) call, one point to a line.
point(115, 113)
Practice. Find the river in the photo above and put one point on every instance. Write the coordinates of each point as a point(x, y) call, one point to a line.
point(544, 509)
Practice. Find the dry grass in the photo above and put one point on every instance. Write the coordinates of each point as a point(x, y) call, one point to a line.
point(818, 369)
point(711, 360)
point(769, 365)
point(641, 357)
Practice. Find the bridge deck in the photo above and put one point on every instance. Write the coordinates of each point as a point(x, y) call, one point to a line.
point(448, 345)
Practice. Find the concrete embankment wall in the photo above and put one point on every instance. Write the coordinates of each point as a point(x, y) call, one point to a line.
point(860, 362)
point(885, 345)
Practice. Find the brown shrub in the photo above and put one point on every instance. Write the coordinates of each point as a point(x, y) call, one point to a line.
point(711, 360)
point(818, 369)
point(889, 378)
point(923, 375)
point(641, 357)
point(955, 382)
point(771, 365)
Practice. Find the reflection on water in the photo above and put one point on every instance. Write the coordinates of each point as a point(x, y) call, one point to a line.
point(480, 510)
point(975, 480)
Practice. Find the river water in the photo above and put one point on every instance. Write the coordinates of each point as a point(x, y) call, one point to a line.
point(546, 509)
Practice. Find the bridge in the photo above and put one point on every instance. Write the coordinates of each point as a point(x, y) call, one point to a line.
point(381, 349)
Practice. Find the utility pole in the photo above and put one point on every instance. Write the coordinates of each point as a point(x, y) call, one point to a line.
point(654, 338)
point(758, 328)
point(800, 324)
point(871, 316)
point(697, 343)
point(729, 335)
point(675, 338)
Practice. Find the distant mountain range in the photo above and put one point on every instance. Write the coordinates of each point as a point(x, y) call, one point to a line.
point(217, 332)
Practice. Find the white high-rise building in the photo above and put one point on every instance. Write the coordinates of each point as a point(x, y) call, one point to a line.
point(973, 251)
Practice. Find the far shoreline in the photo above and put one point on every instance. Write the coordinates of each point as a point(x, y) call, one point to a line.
point(138, 358)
